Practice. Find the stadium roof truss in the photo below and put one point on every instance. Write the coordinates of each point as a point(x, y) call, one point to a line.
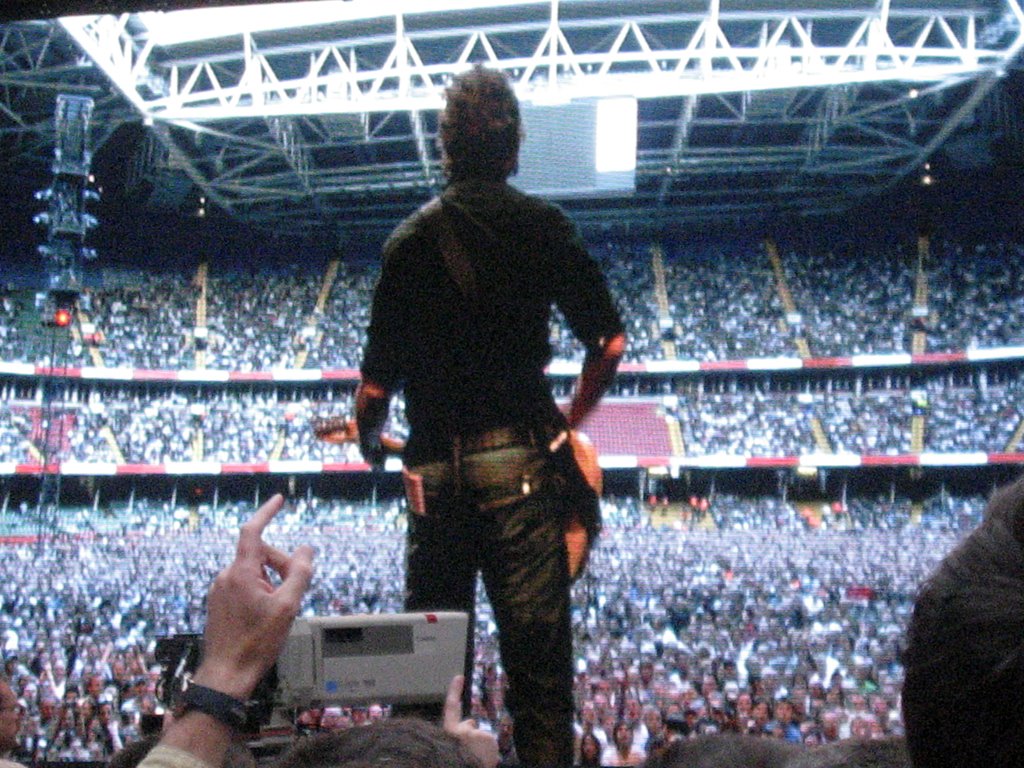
point(298, 115)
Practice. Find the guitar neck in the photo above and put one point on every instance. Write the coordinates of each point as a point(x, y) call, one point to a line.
point(342, 430)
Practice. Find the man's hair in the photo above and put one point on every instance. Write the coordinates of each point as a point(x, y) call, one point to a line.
point(854, 753)
point(724, 751)
point(397, 743)
point(966, 644)
point(740, 751)
point(480, 127)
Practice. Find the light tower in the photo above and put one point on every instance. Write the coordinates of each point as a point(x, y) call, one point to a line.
point(67, 222)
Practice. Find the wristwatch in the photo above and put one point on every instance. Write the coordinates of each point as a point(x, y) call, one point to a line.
point(220, 706)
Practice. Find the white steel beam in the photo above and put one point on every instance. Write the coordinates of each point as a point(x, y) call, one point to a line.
point(848, 94)
point(708, 53)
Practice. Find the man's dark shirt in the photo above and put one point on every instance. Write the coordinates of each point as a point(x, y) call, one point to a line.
point(465, 365)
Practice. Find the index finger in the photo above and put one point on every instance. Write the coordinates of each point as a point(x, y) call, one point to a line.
point(251, 533)
point(453, 703)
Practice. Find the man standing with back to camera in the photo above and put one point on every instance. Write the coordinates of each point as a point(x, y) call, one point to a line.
point(460, 321)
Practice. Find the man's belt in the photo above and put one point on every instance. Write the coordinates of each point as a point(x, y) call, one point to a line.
point(493, 439)
point(584, 519)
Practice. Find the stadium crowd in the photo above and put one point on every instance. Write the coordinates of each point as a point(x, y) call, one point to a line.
point(979, 411)
point(853, 303)
point(724, 306)
point(147, 324)
point(755, 616)
point(719, 304)
point(748, 618)
point(976, 295)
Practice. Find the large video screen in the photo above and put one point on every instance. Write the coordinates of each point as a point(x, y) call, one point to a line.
point(579, 149)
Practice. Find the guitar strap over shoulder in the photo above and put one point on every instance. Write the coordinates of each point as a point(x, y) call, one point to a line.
point(456, 259)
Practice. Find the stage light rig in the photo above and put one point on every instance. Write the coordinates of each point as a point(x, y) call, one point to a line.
point(67, 223)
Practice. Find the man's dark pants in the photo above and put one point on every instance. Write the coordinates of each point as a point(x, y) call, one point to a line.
point(500, 512)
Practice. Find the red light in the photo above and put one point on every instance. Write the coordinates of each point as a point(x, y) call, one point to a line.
point(62, 318)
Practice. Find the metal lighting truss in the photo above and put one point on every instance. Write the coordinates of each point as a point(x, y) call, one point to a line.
point(38, 61)
point(67, 222)
point(745, 108)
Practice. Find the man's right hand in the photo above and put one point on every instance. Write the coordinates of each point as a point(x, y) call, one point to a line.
point(371, 411)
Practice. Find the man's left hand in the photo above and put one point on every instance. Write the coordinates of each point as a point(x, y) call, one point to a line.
point(248, 618)
point(482, 745)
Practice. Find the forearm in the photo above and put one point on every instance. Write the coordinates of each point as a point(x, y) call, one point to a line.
point(202, 736)
point(248, 619)
point(598, 372)
point(372, 401)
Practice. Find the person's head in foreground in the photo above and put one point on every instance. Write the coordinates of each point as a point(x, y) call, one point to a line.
point(396, 743)
point(10, 717)
point(966, 643)
point(741, 751)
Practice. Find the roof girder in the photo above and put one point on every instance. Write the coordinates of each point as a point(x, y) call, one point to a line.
point(863, 61)
point(714, 56)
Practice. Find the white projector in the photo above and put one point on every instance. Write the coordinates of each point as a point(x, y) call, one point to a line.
point(401, 658)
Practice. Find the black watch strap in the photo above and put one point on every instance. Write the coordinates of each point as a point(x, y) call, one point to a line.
point(199, 698)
